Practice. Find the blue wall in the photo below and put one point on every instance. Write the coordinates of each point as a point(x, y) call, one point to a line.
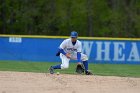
point(44, 50)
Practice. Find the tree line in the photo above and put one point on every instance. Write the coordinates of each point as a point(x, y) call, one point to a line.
point(99, 18)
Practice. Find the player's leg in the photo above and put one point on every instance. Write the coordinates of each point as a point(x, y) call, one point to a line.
point(65, 61)
point(64, 65)
point(84, 59)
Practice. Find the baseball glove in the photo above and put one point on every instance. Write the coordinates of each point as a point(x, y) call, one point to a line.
point(80, 68)
point(58, 53)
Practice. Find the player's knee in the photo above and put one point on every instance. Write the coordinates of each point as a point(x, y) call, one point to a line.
point(64, 66)
point(85, 58)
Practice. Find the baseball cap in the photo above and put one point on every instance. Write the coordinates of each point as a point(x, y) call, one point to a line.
point(74, 34)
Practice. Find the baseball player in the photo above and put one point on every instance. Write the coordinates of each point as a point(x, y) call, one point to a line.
point(70, 49)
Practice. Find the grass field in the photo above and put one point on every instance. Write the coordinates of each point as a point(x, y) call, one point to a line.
point(98, 69)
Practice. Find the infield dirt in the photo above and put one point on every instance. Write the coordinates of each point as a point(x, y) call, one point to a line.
point(28, 82)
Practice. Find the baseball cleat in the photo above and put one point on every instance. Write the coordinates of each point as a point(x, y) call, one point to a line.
point(51, 70)
point(88, 73)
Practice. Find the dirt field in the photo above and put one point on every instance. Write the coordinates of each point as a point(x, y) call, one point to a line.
point(26, 82)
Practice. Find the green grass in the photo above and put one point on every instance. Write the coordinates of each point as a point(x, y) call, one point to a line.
point(98, 69)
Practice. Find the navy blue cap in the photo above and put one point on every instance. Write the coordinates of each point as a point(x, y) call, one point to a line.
point(74, 34)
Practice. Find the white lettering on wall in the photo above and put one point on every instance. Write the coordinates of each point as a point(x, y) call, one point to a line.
point(15, 39)
point(134, 55)
point(87, 46)
point(118, 51)
point(100, 51)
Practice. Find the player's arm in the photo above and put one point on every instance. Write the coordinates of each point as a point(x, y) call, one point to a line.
point(79, 57)
point(61, 49)
point(79, 49)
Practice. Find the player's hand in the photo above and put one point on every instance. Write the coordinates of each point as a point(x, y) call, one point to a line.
point(79, 63)
point(68, 55)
